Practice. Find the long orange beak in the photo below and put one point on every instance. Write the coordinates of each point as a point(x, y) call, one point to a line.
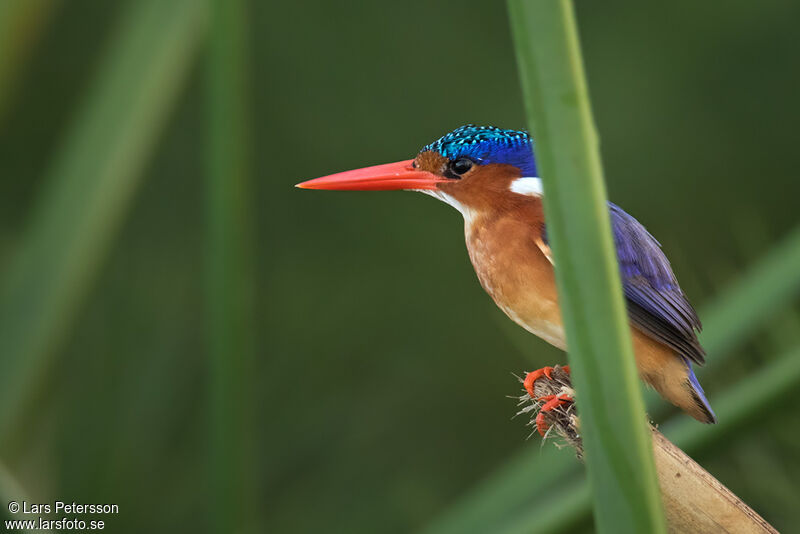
point(392, 176)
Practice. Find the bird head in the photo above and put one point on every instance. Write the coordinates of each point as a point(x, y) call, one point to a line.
point(472, 167)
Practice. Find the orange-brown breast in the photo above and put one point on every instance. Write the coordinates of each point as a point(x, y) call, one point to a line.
point(513, 269)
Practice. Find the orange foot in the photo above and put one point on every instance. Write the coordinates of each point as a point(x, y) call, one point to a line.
point(551, 403)
point(533, 376)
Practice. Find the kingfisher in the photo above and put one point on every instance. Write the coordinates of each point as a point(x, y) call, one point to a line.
point(490, 176)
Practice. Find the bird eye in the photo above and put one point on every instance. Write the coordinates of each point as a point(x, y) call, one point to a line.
point(461, 166)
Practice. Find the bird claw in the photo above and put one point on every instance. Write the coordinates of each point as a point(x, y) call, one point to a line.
point(551, 402)
point(533, 376)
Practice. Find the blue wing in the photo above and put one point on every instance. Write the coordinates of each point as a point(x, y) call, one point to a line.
point(656, 303)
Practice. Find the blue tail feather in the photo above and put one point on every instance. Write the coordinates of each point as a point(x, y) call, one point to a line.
point(698, 390)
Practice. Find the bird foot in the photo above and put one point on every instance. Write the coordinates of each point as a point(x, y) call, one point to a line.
point(551, 402)
point(533, 376)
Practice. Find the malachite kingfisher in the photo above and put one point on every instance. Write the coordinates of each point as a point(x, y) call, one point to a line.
point(489, 174)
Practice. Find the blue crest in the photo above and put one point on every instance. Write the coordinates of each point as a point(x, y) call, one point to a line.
point(488, 144)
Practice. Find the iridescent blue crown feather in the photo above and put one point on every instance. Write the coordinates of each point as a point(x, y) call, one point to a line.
point(488, 144)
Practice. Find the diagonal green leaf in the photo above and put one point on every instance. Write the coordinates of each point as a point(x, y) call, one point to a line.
point(767, 286)
point(508, 490)
point(90, 187)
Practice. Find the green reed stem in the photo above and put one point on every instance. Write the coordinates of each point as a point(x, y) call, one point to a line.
point(618, 450)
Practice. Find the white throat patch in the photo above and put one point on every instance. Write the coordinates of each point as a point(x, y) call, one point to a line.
point(527, 185)
point(444, 197)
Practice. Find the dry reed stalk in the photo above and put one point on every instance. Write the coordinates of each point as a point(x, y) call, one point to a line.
point(694, 501)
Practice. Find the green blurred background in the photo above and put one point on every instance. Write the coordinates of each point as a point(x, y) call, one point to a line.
point(217, 350)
